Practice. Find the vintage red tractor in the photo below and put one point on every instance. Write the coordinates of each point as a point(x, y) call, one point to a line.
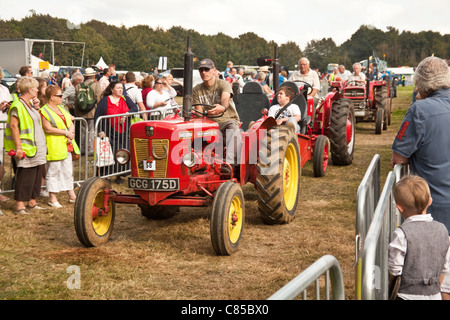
point(370, 100)
point(330, 117)
point(176, 162)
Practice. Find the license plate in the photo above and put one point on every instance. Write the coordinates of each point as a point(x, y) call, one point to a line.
point(153, 184)
point(149, 165)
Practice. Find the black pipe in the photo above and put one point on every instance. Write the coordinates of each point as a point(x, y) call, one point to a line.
point(275, 70)
point(187, 82)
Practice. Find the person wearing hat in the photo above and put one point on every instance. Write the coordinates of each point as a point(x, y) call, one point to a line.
point(217, 95)
point(89, 75)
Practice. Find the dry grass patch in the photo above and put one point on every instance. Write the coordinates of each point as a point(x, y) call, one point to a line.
point(174, 259)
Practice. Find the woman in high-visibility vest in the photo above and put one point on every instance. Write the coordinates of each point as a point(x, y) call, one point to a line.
point(60, 137)
point(25, 139)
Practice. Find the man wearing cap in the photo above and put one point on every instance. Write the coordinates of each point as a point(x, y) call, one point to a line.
point(89, 75)
point(218, 94)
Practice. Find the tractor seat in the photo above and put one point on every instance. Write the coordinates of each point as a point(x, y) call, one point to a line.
point(250, 103)
point(299, 100)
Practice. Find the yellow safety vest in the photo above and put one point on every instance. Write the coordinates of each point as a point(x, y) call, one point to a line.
point(26, 130)
point(57, 145)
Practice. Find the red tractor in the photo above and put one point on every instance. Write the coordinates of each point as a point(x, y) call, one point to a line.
point(330, 117)
point(370, 100)
point(175, 163)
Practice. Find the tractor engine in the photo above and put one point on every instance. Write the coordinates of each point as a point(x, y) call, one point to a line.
point(174, 157)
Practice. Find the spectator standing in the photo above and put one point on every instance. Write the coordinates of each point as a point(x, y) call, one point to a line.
point(59, 137)
point(261, 79)
point(419, 253)
point(134, 92)
point(422, 136)
point(104, 80)
point(167, 81)
point(70, 94)
point(24, 71)
point(239, 78)
point(5, 101)
point(89, 75)
point(25, 136)
point(158, 97)
point(112, 103)
point(147, 86)
point(66, 83)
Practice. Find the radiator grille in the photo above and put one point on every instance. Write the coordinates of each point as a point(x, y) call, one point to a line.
point(143, 152)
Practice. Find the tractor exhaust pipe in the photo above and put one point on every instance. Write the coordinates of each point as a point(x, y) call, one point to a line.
point(187, 82)
point(275, 70)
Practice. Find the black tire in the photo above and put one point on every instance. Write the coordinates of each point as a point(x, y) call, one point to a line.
point(278, 175)
point(320, 156)
point(381, 102)
point(379, 120)
point(389, 111)
point(158, 212)
point(93, 231)
point(342, 145)
point(227, 218)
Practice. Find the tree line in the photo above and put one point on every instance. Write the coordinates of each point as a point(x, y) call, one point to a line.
point(139, 47)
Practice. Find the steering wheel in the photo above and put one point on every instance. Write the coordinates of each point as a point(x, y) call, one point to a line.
point(204, 113)
point(309, 88)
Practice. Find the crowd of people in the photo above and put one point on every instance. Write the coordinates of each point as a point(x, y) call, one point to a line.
point(39, 131)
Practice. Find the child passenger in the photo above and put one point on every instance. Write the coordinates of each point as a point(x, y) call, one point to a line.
point(419, 251)
point(292, 114)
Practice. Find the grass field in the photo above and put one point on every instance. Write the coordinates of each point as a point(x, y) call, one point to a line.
point(173, 259)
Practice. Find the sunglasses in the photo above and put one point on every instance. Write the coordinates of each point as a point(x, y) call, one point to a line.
point(58, 95)
point(158, 82)
point(204, 70)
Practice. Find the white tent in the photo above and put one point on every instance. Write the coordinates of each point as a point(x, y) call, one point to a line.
point(101, 64)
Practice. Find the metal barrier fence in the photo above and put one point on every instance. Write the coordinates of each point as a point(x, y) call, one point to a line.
point(117, 128)
point(327, 265)
point(86, 166)
point(367, 198)
point(375, 226)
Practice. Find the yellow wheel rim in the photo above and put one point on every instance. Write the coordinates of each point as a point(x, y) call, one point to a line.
point(235, 219)
point(290, 177)
point(101, 224)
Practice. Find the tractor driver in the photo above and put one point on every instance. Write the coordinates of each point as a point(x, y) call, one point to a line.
point(218, 94)
point(309, 76)
point(357, 75)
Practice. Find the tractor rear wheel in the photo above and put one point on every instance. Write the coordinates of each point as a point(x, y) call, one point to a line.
point(342, 132)
point(278, 175)
point(93, 225)
point(227, 218)
point(320, 156)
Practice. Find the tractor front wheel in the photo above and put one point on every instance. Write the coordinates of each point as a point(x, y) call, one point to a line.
point(227, 218)
point(320, 156)
point(278, 175)
point(93, 220)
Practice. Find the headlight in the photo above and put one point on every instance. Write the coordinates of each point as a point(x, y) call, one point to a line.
point(122, 156)
point(189, 160)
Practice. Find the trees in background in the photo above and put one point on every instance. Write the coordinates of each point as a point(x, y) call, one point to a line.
point(139, 47)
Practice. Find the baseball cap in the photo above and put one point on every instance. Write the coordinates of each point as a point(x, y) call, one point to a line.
point(206, 63)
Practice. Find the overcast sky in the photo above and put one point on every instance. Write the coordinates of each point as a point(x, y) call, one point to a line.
point(279, 20)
